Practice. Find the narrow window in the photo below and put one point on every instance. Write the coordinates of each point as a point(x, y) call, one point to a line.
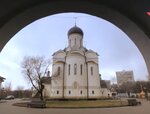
point(69, 92)
point(70, 42)
point(81, 92)
point(57, 92)
point(48, 73)
point(92, 92)
point(75, 69)
point(81, 69)
point(91, 70)
point(58, 70)
point(69, 69)
point(75, 41)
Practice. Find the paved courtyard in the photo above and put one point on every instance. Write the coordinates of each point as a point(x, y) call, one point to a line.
point(7, 108)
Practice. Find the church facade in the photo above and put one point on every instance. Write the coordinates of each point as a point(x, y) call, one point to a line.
point(75, 71)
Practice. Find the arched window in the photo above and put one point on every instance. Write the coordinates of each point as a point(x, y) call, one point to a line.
point(81, 69)
point(57, 92)
point(69, 92)
point(81, 92)
point(58, 70)
point(75, 41)
point(70, 42)
point(69, 69)
point(91, 70)
point(75, 69)
point(92, 92)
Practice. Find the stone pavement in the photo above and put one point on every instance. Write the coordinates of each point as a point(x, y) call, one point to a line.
point(7, 108)
point(2, 101)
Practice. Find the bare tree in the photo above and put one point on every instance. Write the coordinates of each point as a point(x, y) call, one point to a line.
point(18, 92)
point(8, 88)
point(34, 68)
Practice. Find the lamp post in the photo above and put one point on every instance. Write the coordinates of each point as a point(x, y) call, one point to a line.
point(146, 94)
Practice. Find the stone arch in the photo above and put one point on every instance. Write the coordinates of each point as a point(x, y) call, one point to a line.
point(31, 14)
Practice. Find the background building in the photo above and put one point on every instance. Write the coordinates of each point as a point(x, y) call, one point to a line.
point(105, 88)
point(124, 76)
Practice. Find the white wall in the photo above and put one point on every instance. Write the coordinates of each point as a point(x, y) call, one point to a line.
point(76, 83)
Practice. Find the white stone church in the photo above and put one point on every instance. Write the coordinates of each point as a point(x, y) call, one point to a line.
point(75, 71)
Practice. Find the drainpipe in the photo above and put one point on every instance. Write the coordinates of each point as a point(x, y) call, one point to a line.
point(87, 80)
point(64, 77)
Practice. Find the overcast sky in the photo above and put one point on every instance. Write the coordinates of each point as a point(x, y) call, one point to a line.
point(47, 35)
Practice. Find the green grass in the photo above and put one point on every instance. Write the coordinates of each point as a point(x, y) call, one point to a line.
point(80, 104)
point(84, 104)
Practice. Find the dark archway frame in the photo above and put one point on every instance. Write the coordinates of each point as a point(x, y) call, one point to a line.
point(31, 14)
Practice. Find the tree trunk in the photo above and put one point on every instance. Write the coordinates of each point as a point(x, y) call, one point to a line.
point(41, 92)
point(41, 96)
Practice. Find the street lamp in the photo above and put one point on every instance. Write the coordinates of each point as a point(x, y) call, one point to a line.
point(146, 93)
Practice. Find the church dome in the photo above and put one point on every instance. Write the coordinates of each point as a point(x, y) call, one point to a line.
point(75, 29)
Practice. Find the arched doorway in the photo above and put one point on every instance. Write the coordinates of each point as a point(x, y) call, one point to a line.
point(41, 10)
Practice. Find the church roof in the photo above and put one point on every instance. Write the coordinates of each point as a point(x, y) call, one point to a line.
point(59, 51)
point(75, 29)
point(91, 51)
